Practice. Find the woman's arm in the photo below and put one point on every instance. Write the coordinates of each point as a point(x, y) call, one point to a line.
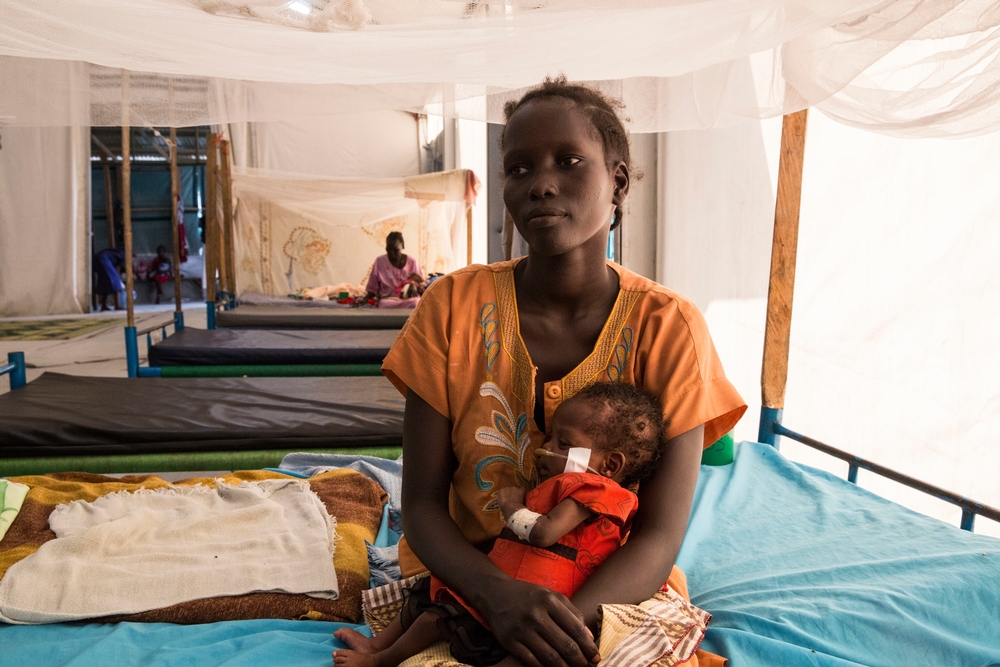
point(639, 568)
point(538, 626)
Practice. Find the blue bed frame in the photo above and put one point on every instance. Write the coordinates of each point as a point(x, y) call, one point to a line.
point(135, 370)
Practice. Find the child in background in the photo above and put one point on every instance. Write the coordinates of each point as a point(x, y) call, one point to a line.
point(160, 270)
point(604, 439)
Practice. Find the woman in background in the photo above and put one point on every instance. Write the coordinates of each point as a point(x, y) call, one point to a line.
point(395, 274)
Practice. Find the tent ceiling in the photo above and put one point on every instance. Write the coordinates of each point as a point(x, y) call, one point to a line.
point(903, 66)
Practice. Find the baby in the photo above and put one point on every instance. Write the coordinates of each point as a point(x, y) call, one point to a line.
point(606, 438)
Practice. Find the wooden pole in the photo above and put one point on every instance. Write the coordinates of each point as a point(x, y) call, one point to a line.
point(127, 199)
point(468, 232)
point(774, 371)
point(109, 203)
point(175, 192)
point(211, 231)
point(229, 246)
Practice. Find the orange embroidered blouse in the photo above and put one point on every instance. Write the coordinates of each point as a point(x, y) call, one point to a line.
point(461, 351)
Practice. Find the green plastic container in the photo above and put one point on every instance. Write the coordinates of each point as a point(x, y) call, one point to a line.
point(719, 454)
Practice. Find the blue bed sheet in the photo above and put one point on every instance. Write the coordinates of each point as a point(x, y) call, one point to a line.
point(233, 644)
point(799, 567)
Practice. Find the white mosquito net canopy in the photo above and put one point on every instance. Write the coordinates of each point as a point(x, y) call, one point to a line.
point(905, 67)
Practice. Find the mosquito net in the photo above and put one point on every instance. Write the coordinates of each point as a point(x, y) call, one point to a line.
point(297, 231)
point(909, 67)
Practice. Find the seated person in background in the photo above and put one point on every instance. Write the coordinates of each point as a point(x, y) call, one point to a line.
point(395, 274)
point(609, 436)
point(160, 270)
point(107, 266)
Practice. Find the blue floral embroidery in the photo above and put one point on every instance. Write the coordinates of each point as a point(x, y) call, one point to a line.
point(622, 350)
point(489, 324)
point(507, 433)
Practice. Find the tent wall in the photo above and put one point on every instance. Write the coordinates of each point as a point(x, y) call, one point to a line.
point(896, 317)
point(378, 144)
point(44, 231)
point(638, 231)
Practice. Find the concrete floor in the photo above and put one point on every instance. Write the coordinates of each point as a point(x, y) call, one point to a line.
point(100, 353)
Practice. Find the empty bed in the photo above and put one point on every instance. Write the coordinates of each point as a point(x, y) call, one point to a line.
point(66, 415)
point(210, 347)
point(300, 316)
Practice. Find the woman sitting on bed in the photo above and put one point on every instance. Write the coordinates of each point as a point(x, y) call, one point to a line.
point(395, 274)
point(492, 351)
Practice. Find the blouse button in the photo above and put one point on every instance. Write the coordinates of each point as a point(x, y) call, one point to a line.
point(554, 391)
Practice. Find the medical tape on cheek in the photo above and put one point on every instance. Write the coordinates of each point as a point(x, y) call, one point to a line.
point(577, 460)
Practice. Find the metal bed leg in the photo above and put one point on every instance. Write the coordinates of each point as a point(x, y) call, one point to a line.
point(765, 433)
point(852, 473)
point(15, 367)
point(132, 352)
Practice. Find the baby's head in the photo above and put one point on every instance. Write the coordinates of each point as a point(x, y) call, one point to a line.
point(620, 423)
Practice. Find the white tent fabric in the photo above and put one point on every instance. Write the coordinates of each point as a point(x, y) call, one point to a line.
point(909, 67)
point(295, 231)
point(45, 249)
point(896, 311)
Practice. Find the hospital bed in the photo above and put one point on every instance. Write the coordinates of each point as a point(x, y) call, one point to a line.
point(64, 422)
point(797, 567)
point(257, 347)
point(214, 352)
point(301, 315)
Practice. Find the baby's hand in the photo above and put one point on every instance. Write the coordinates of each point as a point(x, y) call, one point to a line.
point(510, 496)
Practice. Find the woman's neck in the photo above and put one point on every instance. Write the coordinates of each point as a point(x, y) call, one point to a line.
point(570, 282)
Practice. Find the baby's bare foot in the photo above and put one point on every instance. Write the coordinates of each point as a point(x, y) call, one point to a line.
point(355, 640)
point(345, 658)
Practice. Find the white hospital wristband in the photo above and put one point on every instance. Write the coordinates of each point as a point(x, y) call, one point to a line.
point(522, 521)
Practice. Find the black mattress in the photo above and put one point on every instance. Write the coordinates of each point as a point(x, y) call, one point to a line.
point(246, 316)
point(227, 347)
point(68, 415)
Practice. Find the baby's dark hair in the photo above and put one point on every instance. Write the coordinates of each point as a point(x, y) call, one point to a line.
point(600, 109)
point(627, 419)
point(393, 237)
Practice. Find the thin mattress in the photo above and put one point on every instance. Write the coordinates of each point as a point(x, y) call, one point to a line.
point(67, 415)
point(246, 316)
point(210, 347)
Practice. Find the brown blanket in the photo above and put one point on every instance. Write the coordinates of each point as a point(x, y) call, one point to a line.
point(355, 500)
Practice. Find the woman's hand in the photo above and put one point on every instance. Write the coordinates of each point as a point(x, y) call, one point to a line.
point(539, 627)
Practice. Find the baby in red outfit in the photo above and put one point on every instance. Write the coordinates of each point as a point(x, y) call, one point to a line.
point(608, 437)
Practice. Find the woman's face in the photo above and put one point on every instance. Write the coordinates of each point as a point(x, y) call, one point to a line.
point(557, 187)
point(394, 250)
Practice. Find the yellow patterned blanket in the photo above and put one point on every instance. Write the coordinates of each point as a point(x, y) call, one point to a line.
point(353, 499)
